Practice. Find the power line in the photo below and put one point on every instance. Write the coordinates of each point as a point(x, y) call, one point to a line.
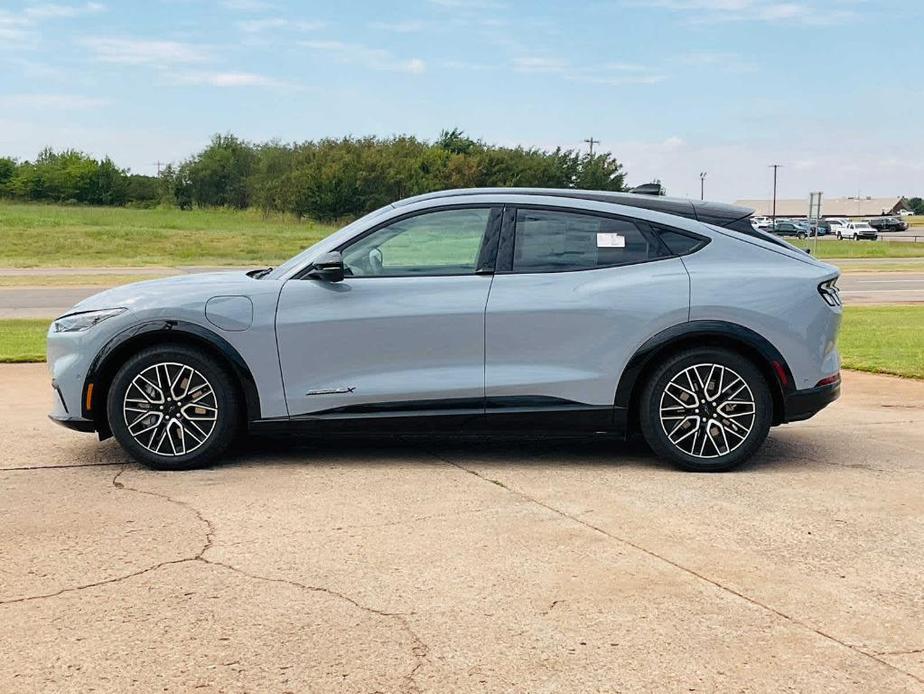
point(775, 167)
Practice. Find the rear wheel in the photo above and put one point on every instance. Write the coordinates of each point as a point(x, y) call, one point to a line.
point(172, 408)
point(706, 410)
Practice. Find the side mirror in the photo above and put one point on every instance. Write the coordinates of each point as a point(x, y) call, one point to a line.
point(328, 268)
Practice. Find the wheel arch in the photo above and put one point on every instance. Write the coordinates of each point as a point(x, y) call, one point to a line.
point(132, 340)
point(733, 336)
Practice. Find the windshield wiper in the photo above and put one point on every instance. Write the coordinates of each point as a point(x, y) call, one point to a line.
point(260, 274)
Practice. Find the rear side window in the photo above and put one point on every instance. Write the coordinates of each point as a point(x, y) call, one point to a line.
point(549, 241)
point(680, 244)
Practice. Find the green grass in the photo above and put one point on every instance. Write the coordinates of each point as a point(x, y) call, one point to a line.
point(880, 339)
point(22, 340)
point(862, 249)
point(33, 235)
point(884, 339)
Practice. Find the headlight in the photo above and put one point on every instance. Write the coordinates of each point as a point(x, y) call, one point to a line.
point(78, 322)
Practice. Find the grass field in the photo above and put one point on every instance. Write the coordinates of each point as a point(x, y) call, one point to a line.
point(881, 339)
point(58, 236)
point(35, 235)
point(22, 340)
point(862, 249)
point(884, 339)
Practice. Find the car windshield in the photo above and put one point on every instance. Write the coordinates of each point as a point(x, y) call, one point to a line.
point(300, 259)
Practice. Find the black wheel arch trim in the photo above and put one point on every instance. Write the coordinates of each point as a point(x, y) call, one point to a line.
point(142, 335)
point(773, 365)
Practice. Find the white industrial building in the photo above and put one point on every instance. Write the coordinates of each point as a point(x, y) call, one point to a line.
point(833, 207)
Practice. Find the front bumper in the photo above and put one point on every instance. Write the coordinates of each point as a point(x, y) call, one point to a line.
point(75, 423)
point(803, 404)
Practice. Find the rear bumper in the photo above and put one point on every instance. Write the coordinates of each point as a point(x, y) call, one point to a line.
point(803, 404)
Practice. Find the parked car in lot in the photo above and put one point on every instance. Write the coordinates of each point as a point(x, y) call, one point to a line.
point(858, 231)
point(888, 224)
point(787, 228)
point(525, 310)
point(822, 227)
point(836, 225)
point(761, 223)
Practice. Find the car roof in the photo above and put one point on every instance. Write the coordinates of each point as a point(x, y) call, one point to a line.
point(717, 213)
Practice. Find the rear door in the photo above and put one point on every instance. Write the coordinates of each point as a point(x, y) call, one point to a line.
point(574, 296)
point(403, 333)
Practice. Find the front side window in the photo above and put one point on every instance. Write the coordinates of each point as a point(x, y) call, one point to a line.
point(446, 242)
point(550, 241)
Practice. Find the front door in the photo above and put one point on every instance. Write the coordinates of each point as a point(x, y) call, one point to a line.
point(403, 333)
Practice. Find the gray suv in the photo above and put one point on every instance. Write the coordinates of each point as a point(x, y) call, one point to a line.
point(519, 310)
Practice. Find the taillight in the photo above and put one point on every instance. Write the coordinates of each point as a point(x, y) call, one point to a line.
point(830, 293)
point(830, 380)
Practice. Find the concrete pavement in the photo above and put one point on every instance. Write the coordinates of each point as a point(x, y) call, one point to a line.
point(440, 565)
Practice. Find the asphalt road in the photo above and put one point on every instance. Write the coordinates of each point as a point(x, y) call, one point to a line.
point(882, 287)
point(856, 288)
point(435, 566)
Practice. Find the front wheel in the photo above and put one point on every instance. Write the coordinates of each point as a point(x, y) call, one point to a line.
point(173, 408)
point(706, 410)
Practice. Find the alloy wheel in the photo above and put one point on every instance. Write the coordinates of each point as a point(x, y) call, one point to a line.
point(707, 410)
point(170, 409)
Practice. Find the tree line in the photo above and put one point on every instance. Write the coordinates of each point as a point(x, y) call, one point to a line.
point(323, 179)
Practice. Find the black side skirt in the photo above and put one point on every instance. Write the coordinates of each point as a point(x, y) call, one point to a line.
point(535, 415)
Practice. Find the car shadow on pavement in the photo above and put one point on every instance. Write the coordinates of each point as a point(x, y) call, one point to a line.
point(603, 451)
point(779, 453)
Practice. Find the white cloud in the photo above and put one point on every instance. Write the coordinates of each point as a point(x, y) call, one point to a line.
point(56, 11)
point(717, 60)
point(45, 102)
point(254, 26)
point(18, 30)
point(230, 79)
point(469, 4)
point(130, 51)
point(610, 74)
point(247, 5)
point(372, 58)
point(405, 26)
point(777, 11)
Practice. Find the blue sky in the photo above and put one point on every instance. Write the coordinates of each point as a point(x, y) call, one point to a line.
point(830, 89)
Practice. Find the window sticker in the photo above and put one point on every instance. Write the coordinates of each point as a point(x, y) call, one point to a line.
point(610, 240)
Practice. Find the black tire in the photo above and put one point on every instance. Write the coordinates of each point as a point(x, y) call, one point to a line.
point(216, 435)
point(714, 457)
point(838, 236)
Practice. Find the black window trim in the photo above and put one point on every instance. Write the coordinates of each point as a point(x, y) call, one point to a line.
point(504, 264)
point(487, 254)
point(703, 241)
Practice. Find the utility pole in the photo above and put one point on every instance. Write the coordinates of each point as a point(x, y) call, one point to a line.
point(591, 141)
point(158, 164)
point(702, 185)
point(775, 167)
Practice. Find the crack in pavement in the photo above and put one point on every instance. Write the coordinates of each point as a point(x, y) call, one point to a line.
point(58, 467)
point(420, 649)
point(714, 582)
point(911, 652)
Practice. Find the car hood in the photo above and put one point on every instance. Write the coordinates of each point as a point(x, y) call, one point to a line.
point(174, 291)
